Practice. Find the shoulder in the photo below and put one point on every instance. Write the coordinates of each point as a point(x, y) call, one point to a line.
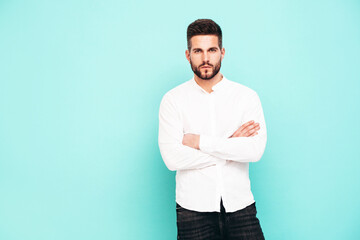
point(177, 92)
point(240, 89)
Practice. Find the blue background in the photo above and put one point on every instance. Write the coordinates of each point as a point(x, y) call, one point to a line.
point(81, 84)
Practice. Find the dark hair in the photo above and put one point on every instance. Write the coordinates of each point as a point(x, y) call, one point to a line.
point(203, 27)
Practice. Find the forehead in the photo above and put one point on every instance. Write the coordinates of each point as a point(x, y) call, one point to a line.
point(204, 41)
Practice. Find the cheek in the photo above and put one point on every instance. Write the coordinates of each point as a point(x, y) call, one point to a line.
point(196, 57)
point(216, 57)
point(196, 60)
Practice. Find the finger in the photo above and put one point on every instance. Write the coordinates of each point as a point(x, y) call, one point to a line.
point(253, 134)
point(241, 128)
point(241, 132)
point(246, 124)
point(237, 133)
point(251, 131)
point(249, 127)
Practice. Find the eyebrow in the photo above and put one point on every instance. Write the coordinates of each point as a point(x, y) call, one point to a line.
point(202, 49)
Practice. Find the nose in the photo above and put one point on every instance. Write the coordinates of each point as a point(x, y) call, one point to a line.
point(205, 57)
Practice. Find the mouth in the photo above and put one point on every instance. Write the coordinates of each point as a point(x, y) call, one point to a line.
point(205, 67)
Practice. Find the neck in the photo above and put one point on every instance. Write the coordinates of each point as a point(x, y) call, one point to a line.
point(209, 83)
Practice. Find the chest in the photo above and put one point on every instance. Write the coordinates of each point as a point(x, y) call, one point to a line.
point(212, 114)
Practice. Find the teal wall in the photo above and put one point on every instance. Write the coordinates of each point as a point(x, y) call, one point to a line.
point(81, 83)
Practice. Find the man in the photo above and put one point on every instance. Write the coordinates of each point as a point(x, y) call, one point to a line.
point(210, 128)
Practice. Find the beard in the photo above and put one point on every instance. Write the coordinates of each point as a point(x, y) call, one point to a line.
point(208, 73)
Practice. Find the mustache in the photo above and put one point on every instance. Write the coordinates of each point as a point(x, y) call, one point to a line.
point(207, 64)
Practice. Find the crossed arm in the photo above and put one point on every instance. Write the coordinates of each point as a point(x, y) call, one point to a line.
point(191, 151)
point(248, 129)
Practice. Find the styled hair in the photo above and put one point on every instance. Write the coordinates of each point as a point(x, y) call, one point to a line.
point(203, 27)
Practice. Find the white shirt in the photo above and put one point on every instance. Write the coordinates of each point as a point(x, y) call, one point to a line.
point(220, 169)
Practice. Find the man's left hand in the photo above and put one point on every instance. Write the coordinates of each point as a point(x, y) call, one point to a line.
point(191, 140)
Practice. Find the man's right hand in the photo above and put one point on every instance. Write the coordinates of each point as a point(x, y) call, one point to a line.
point(248, 129)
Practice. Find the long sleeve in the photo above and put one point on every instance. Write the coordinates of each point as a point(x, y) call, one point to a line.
point(177, 156)
point(240, 149)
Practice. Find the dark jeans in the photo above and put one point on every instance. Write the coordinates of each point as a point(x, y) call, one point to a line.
point(239, 225)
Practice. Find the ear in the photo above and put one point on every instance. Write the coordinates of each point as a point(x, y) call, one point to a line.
point(187, 55)
point(222, 53)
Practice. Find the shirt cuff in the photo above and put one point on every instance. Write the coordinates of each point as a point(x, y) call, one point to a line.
point(207, 143)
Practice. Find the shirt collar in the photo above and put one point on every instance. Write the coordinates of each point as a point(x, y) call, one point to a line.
point(216, 88)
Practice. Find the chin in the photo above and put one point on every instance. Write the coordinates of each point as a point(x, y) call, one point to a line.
point(206, 78)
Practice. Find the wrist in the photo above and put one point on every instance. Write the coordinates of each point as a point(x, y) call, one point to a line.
point(197, 142)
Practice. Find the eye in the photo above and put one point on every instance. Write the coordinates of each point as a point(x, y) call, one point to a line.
point(213, 50)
